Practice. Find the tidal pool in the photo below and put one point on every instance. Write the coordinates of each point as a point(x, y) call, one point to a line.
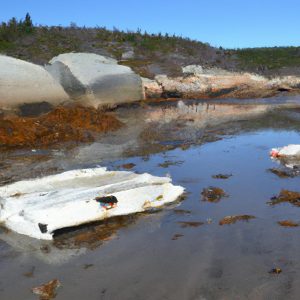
point(180, 251)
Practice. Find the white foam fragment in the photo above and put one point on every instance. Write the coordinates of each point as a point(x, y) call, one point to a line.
point(68, 199)
point(290, 150)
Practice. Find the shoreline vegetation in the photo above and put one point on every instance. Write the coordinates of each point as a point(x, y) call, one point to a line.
point(146, 53)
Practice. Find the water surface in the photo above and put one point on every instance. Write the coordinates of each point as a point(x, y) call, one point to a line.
point(136, 257)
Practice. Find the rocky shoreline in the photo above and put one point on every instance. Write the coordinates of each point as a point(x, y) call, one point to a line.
point(218, 85)
point(66, 100)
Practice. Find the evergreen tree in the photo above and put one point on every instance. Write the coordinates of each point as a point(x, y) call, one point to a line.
point(27, 24)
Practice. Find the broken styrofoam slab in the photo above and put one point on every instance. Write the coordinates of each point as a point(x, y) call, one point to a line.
point(68, 199)
point(287, 151)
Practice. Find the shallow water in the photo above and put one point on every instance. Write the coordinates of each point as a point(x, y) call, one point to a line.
point(136, 257)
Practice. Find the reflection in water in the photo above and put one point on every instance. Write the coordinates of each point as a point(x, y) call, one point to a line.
point(93, 235)
point(153, 129)
point(155, 256)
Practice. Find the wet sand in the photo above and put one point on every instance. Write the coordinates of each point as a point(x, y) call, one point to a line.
point(137, 257)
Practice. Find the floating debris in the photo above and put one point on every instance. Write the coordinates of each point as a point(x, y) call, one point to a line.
point(286, 196)
point(213, 194)
point(275, 271)
point(288, 223)
point(233, 219)
point(221, 176)
point(70, 199)
point(287, 151)
point(128, 166)
point(47, 291)
point(190, 224)
point(176, 236)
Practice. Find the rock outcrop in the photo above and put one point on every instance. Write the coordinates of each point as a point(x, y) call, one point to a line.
point(22, 83)
point(216, 83)
point(152, 88)
point(96, 80)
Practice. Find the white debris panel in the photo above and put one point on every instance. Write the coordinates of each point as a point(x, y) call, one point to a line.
point(40, 206)
point(287, 151)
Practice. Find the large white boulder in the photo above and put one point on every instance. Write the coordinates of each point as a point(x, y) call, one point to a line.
point(22, 82)
point(96, 80)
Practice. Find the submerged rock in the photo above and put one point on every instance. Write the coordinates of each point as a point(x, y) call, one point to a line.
point(47, 291)
point(186, 224)
point(286, 196)
point(288, 223)
point(233, 219)
point(284, 173)
point(213, 194)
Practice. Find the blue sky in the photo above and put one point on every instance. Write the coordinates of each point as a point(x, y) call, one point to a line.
point(227, 23)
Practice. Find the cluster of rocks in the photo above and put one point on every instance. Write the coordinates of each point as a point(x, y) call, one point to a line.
point(97, 81)
point(83, 78)
point(197, 82)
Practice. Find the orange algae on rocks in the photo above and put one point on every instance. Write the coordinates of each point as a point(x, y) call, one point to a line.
point(47, 291)
point(233, 219)
point(288, 223)
point(286, 196)
point(213, 194)
point(63, 124)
